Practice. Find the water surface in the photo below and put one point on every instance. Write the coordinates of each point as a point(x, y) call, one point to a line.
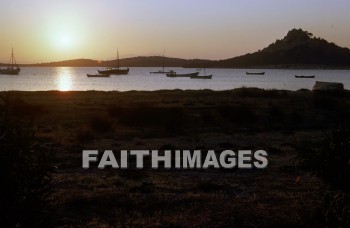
point(139, 78)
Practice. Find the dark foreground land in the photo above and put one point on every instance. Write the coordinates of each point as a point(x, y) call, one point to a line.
point(293, 127)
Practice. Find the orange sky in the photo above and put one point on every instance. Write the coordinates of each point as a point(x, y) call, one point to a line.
point(44, 31)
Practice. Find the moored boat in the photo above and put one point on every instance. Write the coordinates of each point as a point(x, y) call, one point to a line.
point(202, 77)
point(304, 76)
point(255, 73)
point(161, 71)
point(115, 70)
point(13, 69)
point(98, 75)
point(205, 76)
point(173, 74)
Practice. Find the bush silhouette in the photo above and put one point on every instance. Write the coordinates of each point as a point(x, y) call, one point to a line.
point(24, 171)
point(331, 161)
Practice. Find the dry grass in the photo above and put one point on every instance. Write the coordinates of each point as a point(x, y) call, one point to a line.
point(238, 119)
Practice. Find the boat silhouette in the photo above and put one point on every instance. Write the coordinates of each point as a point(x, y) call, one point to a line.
point(255, 73)
point(205, 76)
point(304, 76)
point(13, 69)
point(161, 71)
point(98, 75)
point(115, 71)
point(202, 76)
point(173, 74)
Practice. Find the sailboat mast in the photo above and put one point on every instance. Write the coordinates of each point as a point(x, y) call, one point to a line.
point(163, 59)
point(12, 59)
point(118, 58)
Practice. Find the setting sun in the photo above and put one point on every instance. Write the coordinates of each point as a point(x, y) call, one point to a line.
point(64, 41)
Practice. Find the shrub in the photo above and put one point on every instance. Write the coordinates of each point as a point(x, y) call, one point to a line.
point(207, 117)
point(209, 186)
point(237, 114)
point(24, 171)
point(337, 208)
point(147, 115)
point(257, 92)
point(101, 124)
point(325, 101)
point(20, 108)
point(84, 134)
point(276, 114)
point(331, 161)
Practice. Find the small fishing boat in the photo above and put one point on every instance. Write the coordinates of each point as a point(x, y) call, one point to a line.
point(255, 73)
point(13, 69)
point(202, 77)
point(304, 76)
point(98, 75)
point(205, 76)
point(160, 72)
point(173, 74)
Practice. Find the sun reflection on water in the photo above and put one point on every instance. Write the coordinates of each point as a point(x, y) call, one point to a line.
point(64, 80)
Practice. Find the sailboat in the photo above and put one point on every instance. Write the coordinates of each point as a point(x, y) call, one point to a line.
point(115, 71)
point(205, 76)
point(161, 71)
point(13, 69)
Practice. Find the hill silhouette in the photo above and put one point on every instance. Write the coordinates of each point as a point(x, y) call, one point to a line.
point(151, 61)
point(298, 49)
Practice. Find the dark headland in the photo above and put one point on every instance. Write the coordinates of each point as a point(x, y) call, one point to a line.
point(298, 49)
point(42, 135)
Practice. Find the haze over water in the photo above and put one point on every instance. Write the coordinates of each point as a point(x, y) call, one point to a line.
point(139, 78)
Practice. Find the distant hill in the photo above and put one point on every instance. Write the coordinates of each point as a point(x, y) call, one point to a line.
point(153, 61)
point(298, 49)
point(69, 63)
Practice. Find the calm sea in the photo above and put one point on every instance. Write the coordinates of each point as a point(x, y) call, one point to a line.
point(139, 78)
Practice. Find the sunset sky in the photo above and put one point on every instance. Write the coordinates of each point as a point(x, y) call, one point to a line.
point(45, 31)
